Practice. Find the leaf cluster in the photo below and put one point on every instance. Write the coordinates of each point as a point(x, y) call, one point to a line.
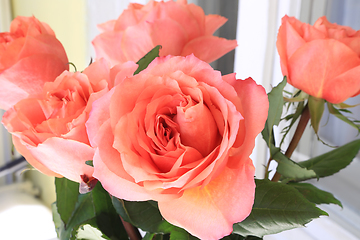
point(291, 203)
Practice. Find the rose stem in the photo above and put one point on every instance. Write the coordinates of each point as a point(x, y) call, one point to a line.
point(131, 230)
point(304, 119)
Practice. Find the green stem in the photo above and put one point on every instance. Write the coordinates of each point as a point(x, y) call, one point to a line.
point(131, 230)
point(304, 119)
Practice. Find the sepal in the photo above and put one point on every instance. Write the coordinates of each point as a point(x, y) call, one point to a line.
point(343, 108)
point(316, 107)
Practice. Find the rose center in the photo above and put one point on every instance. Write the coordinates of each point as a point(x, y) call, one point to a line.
point(165, 130)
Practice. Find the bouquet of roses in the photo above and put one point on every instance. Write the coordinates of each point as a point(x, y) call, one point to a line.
point(149, 136)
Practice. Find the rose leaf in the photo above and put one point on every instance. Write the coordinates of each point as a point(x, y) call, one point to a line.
point(315, 195)
point(146, 216)
point(94, 208)
point(66, 197)
point(337, 113)
point(331, 162)
point(277, 207)
point(239, 237)
point(276, 103)
point(106, 217)
point(147, 59)
point(290, 169)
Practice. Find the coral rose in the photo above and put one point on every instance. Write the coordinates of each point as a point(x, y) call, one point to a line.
point(181, 134)
point(323, 60)
point(49, 129)
point(30, 55)
point(180, 28)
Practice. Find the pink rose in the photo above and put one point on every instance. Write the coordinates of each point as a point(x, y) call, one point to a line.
point(180, 28)
point(30, 55)
point(322, 60)
point(181, 134)
point(49, 129)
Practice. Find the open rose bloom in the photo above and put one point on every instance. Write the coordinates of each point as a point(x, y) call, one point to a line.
point(49, 129)
point(181, 134)
point(30, 55)
point(323, 60)
point(180, 28)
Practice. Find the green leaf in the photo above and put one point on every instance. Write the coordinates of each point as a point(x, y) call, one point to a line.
point(344, 105)
point(316, 108)
point(107, 219)
point(333, 161)
point(83, 212)
point(147, 217)
point(149, 236)
point(234, 237)
point(290, 169)
point(181, 234)
point(147, 59)
point(277, 207)
point(141, 214)
point(90, 163)
point(66, 197)
point(315, 195)
point(120, 208)
point(59, 224)
point(93, 208)
point(276, 102)
point(337, 113)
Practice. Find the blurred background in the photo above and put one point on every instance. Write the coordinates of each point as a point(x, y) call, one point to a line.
point(26, 196)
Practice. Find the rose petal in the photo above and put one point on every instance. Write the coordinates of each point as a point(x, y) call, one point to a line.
point(107, 26)
point(342, 87)
point(192, 125)
point(119, 72)
point(210, 212)
point(288, 41)
point(170, 35)
point(56, 153)
point(311, 68)
point(96, 72)
point(209, 48)
point(44, 44)
point(136, 41)
point(213, 22)
point(127, 18)
point(254, 106)
point(353, 43)
point(99, 114)
point(182, 15)
point(108, 45)
point(27, 77)
point(198, 13)
point(24, 151)
point(109, 168)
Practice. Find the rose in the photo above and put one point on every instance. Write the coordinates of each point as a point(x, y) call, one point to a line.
point(322, 60)
point(30, 55)
point(181, 134)
point(49, 129)
point(180, 28)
